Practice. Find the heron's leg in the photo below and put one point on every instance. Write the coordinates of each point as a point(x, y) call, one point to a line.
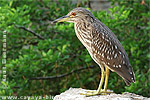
point(102, 79)
point(106, 82)
point(106, 79)
point(98, 91)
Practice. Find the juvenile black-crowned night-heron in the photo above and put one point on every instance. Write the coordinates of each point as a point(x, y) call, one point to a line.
point(103, 46)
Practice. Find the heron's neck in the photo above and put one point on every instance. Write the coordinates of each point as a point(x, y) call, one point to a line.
point(83, 33)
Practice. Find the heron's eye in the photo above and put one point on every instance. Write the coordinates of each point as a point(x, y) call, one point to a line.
point(73, 14)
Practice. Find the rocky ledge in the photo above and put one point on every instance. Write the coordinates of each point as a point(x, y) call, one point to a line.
point(74, 94)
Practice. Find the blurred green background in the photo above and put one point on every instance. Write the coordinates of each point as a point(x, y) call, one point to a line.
point(60, 52)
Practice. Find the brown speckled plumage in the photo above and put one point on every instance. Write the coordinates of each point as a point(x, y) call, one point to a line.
point(101, 43)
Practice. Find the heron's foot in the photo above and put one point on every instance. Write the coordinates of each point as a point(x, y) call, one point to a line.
point(90, 93)
point(105, 92)
point(93, 92)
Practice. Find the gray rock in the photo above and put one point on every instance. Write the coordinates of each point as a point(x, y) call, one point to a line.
point(74, 94)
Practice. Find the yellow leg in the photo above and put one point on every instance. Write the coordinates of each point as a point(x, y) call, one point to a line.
point(106, 79)
point(102, 80)
point(98, 91)
point(106, 82)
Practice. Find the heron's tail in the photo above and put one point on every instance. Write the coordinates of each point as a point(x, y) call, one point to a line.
point(128, 75)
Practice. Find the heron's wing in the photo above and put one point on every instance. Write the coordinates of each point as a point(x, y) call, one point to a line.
point(106, 48)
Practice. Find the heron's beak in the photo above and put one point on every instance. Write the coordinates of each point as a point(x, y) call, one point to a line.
point(61, 19)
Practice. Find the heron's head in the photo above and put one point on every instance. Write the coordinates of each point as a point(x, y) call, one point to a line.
point(76, 15)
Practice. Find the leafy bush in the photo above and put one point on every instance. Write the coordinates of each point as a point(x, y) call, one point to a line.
point(60, 51)
point(135, 32)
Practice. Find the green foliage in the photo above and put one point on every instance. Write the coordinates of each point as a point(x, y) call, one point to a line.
point(61, 52)
point(135, 36)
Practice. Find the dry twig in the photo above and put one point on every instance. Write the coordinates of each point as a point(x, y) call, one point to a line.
point(60, 76)
point(34, 33)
